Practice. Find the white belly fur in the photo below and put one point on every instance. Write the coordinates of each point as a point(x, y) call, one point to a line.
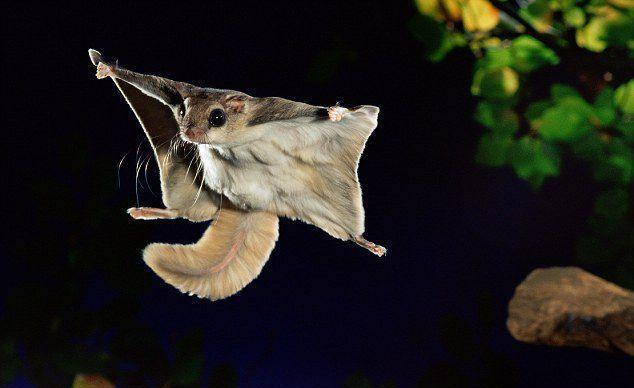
point(248, 182)
point(259, 177)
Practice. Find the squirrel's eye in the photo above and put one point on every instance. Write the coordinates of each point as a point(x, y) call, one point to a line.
point(217, 118)
point(181, 111)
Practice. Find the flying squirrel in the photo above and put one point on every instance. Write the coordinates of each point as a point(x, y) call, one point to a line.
point(260, 157)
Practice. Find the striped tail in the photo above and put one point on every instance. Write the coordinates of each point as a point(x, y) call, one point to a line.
point(227, 257)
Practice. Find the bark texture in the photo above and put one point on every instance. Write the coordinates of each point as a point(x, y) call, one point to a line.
point(567, 306)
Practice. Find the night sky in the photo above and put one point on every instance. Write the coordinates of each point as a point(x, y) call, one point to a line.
point(460, 237)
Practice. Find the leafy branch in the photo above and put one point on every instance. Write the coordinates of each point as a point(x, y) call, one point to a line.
point(528, 28)
point(561, 88)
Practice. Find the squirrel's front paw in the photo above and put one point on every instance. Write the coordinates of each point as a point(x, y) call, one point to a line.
point(150, 213)
point(104, 70)
point(378, 250)
point(336, 113)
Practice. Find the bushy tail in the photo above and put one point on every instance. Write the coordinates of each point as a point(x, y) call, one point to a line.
point(228, 256)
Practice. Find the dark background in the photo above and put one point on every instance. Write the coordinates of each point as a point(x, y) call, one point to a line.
point(322, 313)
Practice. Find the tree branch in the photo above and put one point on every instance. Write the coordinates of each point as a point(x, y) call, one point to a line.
point(530, 30)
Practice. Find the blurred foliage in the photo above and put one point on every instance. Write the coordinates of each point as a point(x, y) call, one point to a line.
point(57, 332)
point(91, 381)
point(553, 82)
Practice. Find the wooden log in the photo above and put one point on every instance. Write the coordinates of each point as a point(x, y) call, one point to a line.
point(567, 306)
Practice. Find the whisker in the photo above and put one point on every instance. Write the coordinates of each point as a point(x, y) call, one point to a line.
point(202, 183)
point(200, 167)
point(136, 178)
point(167, 154)
point(188, 167)
point(163, 143)
point(147, 163)
point(119, 168)
point(189, 147)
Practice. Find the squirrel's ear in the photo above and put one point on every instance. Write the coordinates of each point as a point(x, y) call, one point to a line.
point(236, 103)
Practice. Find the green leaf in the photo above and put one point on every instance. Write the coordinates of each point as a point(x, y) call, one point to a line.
point(604, 108)
point(493, 150)
point(539, 13)
point(612, 204)
point(497, 83)
point(579, 105)
point(591, 36)
point(616, 167)
point(619, 30)
point(538, 8)
point(497, 117)
point(530, 54)
point(566, 4)
point(574, 17)
point(533, 160)
point(495, 58)
point(624, 97)
point(569, 119)
point(560, 123)
point(486, 113)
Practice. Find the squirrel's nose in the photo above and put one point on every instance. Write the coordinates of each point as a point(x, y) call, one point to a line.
point(192, 131)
